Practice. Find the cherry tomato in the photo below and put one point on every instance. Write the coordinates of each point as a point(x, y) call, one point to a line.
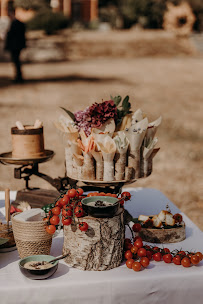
point(178, 218)
point(128, 246)
point(167, 258)
point(138, 243)
point(58, 204)
point(144, 261)
point(142, 252)
point(66, 221)
point(137, 238)
point(56, 210)
point(147, 247)
point(78, 211)
point(127, 240)
point(165, 251)
point(157, 256)
point(67, 212)
point(126, 196)
point(134, 249)
point(54, 220)
point(129, 263)
point(45, 219)
point(199, 254)
point(121, 202)
point(51, 229)
point(72, 193)
point(64, 200)
point(80, 191)
point(128, 255)
point(156, 249)
point(136, 266)
point(177, 260)
point(182, 253)
point(83, 226)
point(149, 254)
point(185, 262)
point(136, 227)
point(195, 259)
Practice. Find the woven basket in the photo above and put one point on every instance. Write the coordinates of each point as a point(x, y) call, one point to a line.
point(31, 237)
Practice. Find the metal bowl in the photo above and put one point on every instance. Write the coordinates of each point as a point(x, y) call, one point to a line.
point(100, 211)
point(38, 274)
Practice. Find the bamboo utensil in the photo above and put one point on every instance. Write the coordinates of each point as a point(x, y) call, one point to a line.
point(7, 206)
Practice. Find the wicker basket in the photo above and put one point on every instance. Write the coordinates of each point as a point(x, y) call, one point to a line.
point(31, 237)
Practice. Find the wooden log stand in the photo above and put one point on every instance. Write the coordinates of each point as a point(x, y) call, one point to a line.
point(100, 248)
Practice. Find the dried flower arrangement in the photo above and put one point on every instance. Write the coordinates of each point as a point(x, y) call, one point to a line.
point(108, 142)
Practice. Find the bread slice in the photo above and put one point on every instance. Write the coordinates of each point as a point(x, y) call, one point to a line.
point(169, 221)
point(162, 215)
point(143, 218)
point(156, 221)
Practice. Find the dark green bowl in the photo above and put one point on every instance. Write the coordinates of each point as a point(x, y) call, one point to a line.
point(38, 274)
point(100, 211)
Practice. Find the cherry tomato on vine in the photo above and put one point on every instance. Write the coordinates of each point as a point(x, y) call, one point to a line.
point(157, 256)
point(185, 262)
point(58, 204)
point(167, 258)
point(149, 254)
point(80, 191)
point(144, 261)
point(138, 243)
point(83, 226)
point(142, 252)
point(56, 210)
point(67, 212)
point(72, 193)
point(137, 238)
point(199, 254)
point(182, 253)
point(136, 266)
point(51, 229)
point(136, 227)
point(195, 259)
point(177, 260)
point(54, 220)
point(129, 263)
point(78, 211)
point(156, 249)
point(126, 196)
point(134, 249)
point(165, 251)
point(66, 221)
point(128, 255)
point(64, 200)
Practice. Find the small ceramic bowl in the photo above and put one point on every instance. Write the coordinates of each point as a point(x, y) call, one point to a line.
point(38, 274)
point(100, 211)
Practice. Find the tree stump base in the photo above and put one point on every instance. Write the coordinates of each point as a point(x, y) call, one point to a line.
point(100, 247)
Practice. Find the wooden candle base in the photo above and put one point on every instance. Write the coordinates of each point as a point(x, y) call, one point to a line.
point(100, 248)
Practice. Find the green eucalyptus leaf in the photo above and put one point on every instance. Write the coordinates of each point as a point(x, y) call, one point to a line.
point(126, 104)
point(117, 100)
point(70, 114)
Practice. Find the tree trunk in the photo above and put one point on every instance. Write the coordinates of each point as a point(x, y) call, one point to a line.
point(100, 248)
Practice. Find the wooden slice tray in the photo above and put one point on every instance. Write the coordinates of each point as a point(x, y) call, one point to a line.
point(7, 159)
point(98, 183)
point(163, 235)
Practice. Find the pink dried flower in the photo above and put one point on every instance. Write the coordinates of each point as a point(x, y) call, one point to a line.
point(96, 115)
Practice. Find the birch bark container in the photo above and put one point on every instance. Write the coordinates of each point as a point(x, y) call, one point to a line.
point(27, 143)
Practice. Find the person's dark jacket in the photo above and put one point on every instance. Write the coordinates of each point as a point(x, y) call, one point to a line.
point(15, 39)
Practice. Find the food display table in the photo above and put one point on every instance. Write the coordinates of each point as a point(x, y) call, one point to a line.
point(158, 283)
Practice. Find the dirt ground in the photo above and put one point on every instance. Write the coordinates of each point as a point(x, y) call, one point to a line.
point(171, 87)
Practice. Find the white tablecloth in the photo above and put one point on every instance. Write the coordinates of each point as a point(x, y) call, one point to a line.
point(159, 283)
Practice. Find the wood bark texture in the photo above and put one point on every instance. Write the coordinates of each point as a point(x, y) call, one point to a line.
point(100, 248)
point(171, 235)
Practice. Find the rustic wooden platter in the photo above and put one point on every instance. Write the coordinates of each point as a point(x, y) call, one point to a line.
point(7, 159)
point(163, 235)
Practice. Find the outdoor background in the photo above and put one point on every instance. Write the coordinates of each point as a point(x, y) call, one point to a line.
point(125, 51)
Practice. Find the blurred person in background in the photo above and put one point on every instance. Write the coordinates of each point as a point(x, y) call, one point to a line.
point(15, 41)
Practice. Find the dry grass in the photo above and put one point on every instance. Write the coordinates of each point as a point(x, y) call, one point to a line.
point(160, 86)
